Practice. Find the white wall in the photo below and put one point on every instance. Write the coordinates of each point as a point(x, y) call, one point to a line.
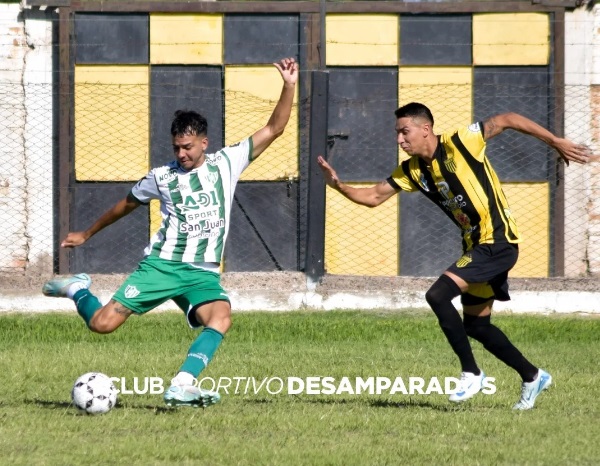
point(26, 135)
point(582, 111)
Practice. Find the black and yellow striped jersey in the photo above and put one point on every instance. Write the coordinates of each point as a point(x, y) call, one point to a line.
point(462, 182)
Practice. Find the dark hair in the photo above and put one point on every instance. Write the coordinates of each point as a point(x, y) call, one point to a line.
point(414, 110)
point(188, 122)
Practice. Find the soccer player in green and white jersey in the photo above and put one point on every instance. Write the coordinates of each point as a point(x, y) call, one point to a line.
point(183, 258)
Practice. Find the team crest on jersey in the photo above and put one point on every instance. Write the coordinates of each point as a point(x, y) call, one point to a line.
point(450, 164)
point(212, 177)
point(131, 291)
point(464, 261)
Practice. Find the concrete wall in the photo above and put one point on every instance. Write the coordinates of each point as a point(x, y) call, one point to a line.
point(26, 120)
point(582, 183)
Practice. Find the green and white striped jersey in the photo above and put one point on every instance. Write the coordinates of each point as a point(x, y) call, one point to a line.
point(195, 205)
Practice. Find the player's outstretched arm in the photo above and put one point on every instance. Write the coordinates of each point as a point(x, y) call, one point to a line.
point(370, 197)
point(568, 150)
point(288, 68)
point(119, 210)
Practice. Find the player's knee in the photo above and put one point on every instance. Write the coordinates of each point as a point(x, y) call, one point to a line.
point(101, 324)
point(475, 326)
point(223, 319)
point(442, 291)
point(217, 316)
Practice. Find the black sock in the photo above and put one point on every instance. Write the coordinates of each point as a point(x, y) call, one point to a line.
point(497, 343)
point(440, 297)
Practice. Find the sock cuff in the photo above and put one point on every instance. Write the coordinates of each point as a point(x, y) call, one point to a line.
point(212, 330)
point(80, 293)
point(451, 284)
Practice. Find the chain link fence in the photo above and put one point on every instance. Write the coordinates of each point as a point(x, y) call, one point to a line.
point(119, 124)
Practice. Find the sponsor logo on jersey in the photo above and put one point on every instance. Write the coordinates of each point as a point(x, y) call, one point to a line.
point(172, 173)
point(131, 291)
point(423, 182)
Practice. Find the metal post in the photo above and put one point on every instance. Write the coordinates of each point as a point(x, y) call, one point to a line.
point(315, 238)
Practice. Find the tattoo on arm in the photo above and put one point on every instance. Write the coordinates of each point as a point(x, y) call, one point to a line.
point(119, 308)
point(490, 128)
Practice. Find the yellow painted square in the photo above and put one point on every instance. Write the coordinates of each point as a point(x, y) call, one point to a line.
point(186, 39)
point(360, 240)
point(111, 123)
point(511, 39)
point(362, 40)
point(251, 93)
point(446, 90)
point(530, 205)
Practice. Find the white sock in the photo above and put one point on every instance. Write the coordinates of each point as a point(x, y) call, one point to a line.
point(74, 288)
point(184, 378)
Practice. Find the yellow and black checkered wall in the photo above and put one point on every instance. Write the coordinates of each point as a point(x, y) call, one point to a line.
point(465, 68)
point(132, 71)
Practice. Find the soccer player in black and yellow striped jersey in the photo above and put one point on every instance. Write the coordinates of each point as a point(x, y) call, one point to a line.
point(453, 171)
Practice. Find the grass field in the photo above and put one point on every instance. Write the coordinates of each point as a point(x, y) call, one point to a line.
point(41, 356)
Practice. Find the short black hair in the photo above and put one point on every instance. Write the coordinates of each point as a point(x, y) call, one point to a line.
point(188, 122)
point(414, 110)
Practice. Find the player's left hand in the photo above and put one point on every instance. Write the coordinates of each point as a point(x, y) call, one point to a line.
point(288, 68)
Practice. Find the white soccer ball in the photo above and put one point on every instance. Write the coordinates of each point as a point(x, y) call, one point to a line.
point(94, 393)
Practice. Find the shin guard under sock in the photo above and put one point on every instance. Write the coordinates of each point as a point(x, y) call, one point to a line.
point(202, 351)
point(87, 304)
point(440, 297)
point(497, 343)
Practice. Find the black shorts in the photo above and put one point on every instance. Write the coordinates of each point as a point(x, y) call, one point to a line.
point(485, 268)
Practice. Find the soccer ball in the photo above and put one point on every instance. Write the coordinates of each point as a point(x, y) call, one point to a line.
point(94, 393)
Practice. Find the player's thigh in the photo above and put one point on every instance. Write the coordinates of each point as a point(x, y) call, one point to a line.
point(206, 303)
point(154, 282)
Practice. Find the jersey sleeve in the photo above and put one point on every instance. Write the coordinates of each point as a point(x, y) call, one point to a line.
point(473, 140)
point(239, 156)
point(400, 180)
point(146, 189)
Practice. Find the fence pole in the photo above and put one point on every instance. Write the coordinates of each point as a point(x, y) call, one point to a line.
point(315, 218)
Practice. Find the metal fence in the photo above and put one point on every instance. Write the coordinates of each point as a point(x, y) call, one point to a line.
point(284, 218)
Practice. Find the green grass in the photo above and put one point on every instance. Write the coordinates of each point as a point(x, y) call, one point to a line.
point(41, 356)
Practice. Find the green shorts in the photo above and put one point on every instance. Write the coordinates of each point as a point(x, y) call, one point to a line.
point(158, 280)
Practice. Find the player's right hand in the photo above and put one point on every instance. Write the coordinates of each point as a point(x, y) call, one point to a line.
point(329, 173)
point(73, 239)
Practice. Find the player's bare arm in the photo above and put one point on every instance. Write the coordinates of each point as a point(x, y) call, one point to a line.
point(288, 68)
point(370, 197)
point(119, 210)
point(568, 150)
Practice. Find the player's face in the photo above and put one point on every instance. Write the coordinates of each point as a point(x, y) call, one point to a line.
point(189, 150)
point(412, 135)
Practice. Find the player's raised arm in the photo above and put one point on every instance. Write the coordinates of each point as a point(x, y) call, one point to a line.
point(568, 150)
point(119, 210)
point(370, 197)
point(288, 68)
